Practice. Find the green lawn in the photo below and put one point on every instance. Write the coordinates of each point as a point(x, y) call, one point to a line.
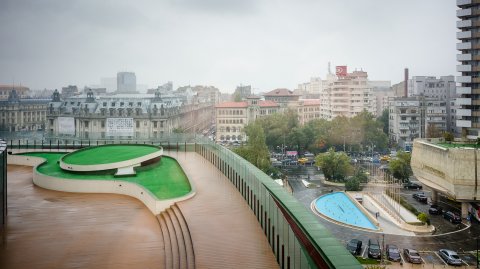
point(165, 179)
point(108, 154)
point(455, 145)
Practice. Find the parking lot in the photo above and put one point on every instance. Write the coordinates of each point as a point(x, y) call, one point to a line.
point(429, 259)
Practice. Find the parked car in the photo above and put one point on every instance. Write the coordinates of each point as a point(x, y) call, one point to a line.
point(412, 256)
point(412, 186)
point(374, 250)
point(450, 257)
point(435, 210)
point(420, 197)
point(393, 253)
point(354, 246)
point(452, 217)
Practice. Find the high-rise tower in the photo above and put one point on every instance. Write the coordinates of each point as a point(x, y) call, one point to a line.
point(468, 89)
point(126, 82)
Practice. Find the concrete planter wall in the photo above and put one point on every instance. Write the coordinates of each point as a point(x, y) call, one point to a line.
point(96, 186)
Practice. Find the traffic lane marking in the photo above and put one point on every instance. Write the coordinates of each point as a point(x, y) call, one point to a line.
point(440, 258)
point(364, 250)
point(430, 257)
point(401, 256)
point(468, 258)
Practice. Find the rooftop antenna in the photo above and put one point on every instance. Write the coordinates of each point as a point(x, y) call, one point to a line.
point(329, 69)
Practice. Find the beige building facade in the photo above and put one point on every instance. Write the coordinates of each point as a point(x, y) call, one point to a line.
point(347, 96)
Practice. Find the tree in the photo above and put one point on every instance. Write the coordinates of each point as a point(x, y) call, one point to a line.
point(335, 165)
point(400, 167)
point(178, 130)
point(360, 175)
point(423, 218)
point(432, 131)
point(255, 151)
point(448, 137)
point(383, 119)
point(352, 184)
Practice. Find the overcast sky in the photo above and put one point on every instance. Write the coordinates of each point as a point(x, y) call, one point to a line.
point(265, 43)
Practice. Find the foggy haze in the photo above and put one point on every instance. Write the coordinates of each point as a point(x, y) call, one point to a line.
point(268, 44)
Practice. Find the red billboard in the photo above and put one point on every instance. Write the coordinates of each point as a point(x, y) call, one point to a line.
point(341, 70)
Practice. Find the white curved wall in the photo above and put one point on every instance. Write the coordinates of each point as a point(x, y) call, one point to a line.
point(109, 166)
point(96, 186)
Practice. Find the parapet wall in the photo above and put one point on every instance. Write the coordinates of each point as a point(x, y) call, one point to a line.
point(448, 170)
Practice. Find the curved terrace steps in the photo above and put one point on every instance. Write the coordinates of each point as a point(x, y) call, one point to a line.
point(187, 237)
point(178, 242)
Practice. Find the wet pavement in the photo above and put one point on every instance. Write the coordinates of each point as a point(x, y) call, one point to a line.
point(51, 229)
point(449, 236)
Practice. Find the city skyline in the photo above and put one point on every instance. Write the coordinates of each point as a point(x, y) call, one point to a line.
point(222, 43)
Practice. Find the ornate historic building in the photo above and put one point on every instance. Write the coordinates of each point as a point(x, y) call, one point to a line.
point(127, 116)
point(22, 114)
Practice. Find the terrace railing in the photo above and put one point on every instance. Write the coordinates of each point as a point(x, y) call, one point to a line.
point(296, 237)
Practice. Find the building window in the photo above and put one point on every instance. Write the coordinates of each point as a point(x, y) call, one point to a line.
point(154, 124)
point(103, 124)
point(86, 124)
point(137, 124)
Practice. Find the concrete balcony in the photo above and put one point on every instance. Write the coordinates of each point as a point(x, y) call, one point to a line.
point(464, 12)
point(464, 57)
point(463, 101)
point(464, 123)
point(464, 112)
point(464, 24)
point(464, 35)
point(464, 79)
point(464, 68)
point(464, 90)
point(463, 3)
point(464, 46)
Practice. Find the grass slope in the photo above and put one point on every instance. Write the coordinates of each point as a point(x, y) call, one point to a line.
point(108, 154)
point(165, 179)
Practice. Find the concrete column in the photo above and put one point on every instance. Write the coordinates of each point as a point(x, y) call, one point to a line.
point(434, 197)
point(464, 210)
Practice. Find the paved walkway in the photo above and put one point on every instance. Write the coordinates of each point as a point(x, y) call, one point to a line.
point(225, 232)
point(49, 229)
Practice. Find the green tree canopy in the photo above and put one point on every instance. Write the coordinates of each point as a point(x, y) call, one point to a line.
point(335, 165)
point(400, 166)
point(383, 119)
point(255, 151)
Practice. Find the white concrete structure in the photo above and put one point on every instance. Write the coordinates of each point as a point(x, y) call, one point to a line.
point(108, 166)
point(97, 186)
point(451, 171)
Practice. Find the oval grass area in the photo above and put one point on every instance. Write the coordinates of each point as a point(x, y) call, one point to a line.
point(108, 154)
point(164, 179)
